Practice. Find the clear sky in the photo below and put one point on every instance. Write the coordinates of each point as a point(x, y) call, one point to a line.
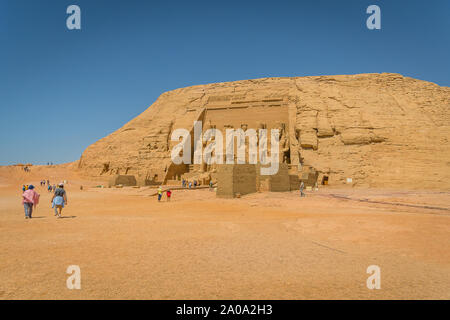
point(61, 90)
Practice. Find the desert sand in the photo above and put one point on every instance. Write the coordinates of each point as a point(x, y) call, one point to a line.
point(260, 246)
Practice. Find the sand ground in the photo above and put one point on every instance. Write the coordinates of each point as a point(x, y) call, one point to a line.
point(261, 246)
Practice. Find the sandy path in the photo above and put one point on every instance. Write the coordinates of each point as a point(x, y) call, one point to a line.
point(262, 246)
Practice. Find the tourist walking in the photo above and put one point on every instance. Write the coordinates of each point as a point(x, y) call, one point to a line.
point(59, 199)
point(159, 193)
point(30, 199)
point(302, 186)
point(169, 194)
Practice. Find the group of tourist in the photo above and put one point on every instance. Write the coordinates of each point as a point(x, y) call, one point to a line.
point(50, 188)
point(26, 169)
point(44, 182)
point(160, 193)
point(185, 183)
point(30, 198)
point(190, 184)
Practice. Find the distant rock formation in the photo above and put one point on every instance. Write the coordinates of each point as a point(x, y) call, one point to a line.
point(372, 130)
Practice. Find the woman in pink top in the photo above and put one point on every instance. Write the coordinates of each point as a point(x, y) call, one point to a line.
point(30, 198)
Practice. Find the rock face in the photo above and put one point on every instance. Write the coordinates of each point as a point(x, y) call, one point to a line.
point(380, 130)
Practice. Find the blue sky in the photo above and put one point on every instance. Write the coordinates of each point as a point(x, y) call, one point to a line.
point(61, 90)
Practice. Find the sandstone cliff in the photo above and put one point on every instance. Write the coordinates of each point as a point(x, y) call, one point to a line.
point(381, 130)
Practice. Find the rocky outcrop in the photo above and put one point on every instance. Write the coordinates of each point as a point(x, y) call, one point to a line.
point(380, 130)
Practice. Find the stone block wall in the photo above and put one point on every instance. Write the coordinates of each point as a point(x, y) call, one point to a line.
point(125, 180)
point(235, 179)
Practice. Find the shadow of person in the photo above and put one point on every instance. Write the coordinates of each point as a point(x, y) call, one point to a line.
point(68, 217)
